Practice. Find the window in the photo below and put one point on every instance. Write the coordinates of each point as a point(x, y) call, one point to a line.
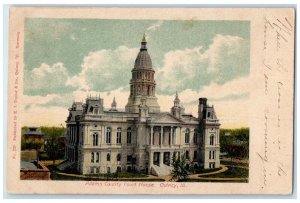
point(129, 158)
point(211, 140)
point(108, 157)
point(97, 157)
point(96, 110)
point(119, 169)
point(92, 157)
point(119, 157)
point(212, 154)
point(187, 136)
point(187, 155)
point(208, 114)
point(195, 156)
point(195, 136)
point(97, 170)
point(92, 170)
point(119, 134)
point(108, 135)
point(95, 139)
point(91, 109)
point(108, 169)
point(128, 135)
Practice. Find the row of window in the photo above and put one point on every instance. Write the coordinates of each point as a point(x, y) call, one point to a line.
point(96, 169)
point(187, 155)
point(212, 154)
point(142, 75)
point(108, 136)
point(95, 157)
point(119, 136)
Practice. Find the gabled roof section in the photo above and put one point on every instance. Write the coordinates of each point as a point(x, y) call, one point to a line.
point(165, 118)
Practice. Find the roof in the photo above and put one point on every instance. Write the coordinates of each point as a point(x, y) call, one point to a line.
point(143, 59)
point(33, 133)
point(28, 164)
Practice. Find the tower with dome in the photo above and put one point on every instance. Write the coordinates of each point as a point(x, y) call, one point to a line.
point(140, 138)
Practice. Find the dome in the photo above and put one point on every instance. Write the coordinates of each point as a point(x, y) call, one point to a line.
point(143, 59)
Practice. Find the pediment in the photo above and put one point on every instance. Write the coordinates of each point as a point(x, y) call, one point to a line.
point(166, 118)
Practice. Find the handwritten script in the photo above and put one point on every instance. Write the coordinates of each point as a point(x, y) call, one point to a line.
point(277, 33)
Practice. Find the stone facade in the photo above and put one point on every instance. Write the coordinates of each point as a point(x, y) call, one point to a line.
point(141, 138)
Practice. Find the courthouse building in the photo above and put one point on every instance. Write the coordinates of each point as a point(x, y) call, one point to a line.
point(141, 137)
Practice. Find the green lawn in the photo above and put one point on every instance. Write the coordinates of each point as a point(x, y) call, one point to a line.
point(101, 177)
point(234, 163)
point(232, 172)
point(55, 176)
point(207, 170)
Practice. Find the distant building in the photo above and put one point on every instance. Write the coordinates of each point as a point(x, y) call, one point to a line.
point(31, 168)
point(34, 139)
point(34, 170)
point(141, 138)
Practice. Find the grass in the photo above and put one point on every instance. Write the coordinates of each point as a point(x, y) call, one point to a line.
point(234, 163)
point(232, 172)
point(100, 177)
point(55, 176)
point(207, 170)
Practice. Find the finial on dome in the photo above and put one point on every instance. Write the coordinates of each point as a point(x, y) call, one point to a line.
point(144, 38)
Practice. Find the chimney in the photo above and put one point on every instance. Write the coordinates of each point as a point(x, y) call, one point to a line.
point(201, 107)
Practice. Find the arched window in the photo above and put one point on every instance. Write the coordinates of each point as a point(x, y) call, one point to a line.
point(95, 139)
point(119, 169)
point(129, 135)
point(92, 157)
point(119, 134)
point(108, 169)
point(96, 110)
point(119, 157)
point(195, 136)
point(187, 136)
point(108, 135)
point(211, 140)
point(97, 157)
point(108, 157)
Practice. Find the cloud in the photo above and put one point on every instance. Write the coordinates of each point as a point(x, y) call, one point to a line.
point(154, 26)
point(105, 70)
point(225, 59)
point(231, 103)
point(46, 79)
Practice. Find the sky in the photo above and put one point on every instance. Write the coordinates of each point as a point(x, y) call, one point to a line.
point(68, 59)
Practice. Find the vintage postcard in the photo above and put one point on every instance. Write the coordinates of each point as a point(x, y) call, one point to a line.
point(150, 101)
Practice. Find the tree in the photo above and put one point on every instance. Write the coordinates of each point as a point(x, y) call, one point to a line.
point(180, 167)
point(52, 142)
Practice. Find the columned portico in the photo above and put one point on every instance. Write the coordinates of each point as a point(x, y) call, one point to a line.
point(162, 135)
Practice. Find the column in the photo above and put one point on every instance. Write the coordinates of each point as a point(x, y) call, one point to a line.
point(171, 136)
point(161, 158)
point(161, 135)
point(74, 154)
point(151, 135)
point(180, 141)
point(150, 162)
